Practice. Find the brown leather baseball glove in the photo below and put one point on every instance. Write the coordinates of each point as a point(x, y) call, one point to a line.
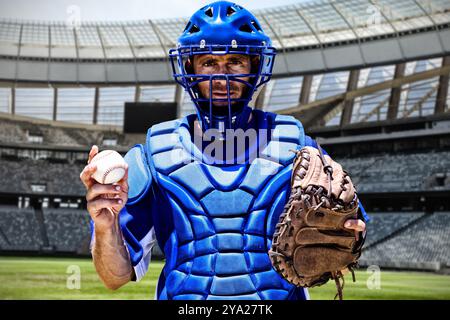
point(310, 244)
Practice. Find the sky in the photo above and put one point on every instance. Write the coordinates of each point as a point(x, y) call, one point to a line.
point(114, 10)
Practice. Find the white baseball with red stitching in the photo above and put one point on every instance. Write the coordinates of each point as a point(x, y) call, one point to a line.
point(110, 167)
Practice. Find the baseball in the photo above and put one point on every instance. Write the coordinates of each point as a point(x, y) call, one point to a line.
point(110, 167)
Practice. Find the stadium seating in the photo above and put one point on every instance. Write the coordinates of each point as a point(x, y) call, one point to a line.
point(21, 174)
point(20, 228)
point(382, 225)
point(394, 239)
point(16, 131)
point(67, 231)
point(4, 243)
point(66, 228)
point(397, 172)
point(426, 241)
point(12, 133)
point(400, 173)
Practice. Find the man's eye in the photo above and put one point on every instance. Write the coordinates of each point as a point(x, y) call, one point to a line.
point(208, 63)
point(237, 62)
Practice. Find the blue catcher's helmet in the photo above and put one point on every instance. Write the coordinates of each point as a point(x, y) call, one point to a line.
point(222, 28)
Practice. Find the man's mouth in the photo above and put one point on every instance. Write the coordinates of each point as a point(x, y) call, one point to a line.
point(222, 95)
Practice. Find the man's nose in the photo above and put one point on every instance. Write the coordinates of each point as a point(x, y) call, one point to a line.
point(222, 68)
point(219, 82)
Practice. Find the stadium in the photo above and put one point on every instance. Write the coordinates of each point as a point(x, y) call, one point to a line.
point(369, 79)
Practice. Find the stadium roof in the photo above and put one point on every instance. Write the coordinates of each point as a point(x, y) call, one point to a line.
point(294, 26)
point(317, 27)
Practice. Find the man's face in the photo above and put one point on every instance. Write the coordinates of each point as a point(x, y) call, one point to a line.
point(228, 64)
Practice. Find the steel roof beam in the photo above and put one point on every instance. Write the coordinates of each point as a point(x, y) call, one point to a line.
point(370, 89)
point(442, 94)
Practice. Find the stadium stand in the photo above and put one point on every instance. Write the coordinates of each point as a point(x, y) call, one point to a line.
point(12, 133)
point(22, 174)
point(400, 172)
point(66, 228)
point(423, 245)
point(66, 231)
point(20, 228)
point(18, 130)
point(383, 225)
point(3, 241)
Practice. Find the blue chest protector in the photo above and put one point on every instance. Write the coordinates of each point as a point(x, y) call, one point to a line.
point(214, 222)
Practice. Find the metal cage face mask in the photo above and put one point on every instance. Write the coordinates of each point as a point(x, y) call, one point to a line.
point(223, 28)
point(227, 110)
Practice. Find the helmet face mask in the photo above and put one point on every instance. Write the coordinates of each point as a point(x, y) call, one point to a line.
point(222, 80)
point(222, 29)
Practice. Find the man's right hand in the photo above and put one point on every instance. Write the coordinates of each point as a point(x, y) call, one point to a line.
point(104, 201)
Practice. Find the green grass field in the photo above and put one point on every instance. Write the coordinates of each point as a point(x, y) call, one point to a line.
point(47, 278)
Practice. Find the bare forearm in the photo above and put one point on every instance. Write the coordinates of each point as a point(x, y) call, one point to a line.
point(111, 258)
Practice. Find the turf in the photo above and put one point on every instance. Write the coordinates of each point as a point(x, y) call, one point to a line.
point(47, 278)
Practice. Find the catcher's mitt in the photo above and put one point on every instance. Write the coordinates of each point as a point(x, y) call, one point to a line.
point(310, 244)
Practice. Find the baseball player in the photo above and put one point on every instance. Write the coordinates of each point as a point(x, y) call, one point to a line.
point(213, 204)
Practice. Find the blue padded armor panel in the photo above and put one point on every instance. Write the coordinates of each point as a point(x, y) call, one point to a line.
point(221, 230)
point(202, 185)
point(139, 176)
point(231, 203)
